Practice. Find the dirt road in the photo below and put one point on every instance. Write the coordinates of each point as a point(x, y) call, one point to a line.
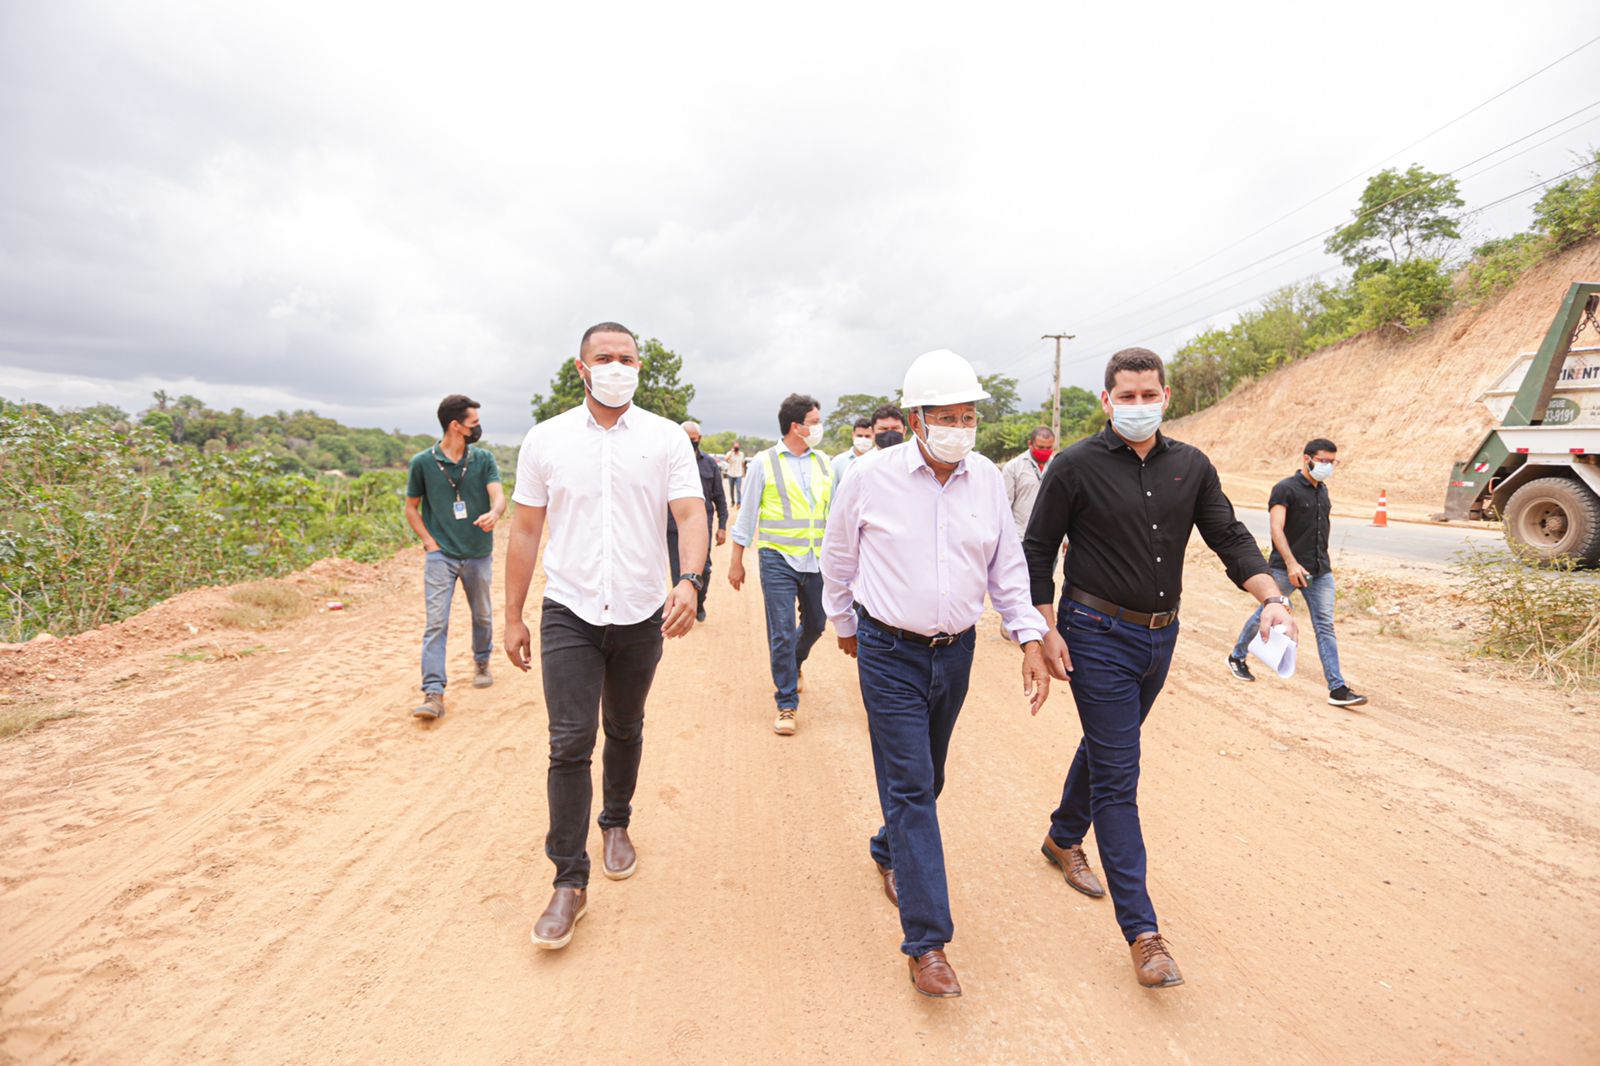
point(262, 858)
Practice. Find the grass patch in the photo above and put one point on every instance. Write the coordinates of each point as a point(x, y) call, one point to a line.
point(216, 654)
point(22, 716)
point(263, 606)
point(1543, 620)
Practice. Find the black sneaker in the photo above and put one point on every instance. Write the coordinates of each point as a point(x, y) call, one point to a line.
point(1240, 669)
point(1343, 697)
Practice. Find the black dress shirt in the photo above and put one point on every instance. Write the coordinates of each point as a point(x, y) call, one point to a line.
point(716, 499)
point(1305, 523)
point(1127, 522)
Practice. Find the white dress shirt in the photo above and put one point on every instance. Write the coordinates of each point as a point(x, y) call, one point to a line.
point(919, 555)
point(606, 493)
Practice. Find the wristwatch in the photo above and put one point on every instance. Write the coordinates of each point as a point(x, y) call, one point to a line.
point(698, 581)
point(1277, 599)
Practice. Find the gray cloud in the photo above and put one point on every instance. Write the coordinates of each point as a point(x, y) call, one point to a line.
point(357, 209)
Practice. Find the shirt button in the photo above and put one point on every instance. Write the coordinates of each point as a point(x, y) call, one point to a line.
point(1158, 558)
point(1147, 492)
point(1163, 595)
point(1154, 526)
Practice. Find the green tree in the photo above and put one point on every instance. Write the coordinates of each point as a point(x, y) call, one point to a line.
point(660, 390)
point(1400, 216)
point(1569, 211)
point(1003, 399)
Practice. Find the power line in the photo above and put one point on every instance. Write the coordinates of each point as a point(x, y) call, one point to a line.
point(1373, 210)
point(1330, 191)
point(1162, 331)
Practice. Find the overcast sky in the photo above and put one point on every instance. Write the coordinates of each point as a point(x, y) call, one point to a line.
point(351, 208)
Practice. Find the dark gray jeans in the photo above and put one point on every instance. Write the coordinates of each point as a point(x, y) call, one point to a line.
point(593, 675)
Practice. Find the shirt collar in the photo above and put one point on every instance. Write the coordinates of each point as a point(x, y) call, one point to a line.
point(622, 419)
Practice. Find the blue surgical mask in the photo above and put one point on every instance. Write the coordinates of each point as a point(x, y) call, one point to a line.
point(1321, 471)
point(1136, 422)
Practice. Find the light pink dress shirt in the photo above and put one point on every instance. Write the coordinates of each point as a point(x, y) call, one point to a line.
point(919, 555)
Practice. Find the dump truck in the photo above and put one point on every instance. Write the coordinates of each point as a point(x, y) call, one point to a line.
point(1538, 472)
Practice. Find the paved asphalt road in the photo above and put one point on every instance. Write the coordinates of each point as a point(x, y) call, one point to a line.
point(1399, 540)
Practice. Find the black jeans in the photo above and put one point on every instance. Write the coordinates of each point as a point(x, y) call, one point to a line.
point(592, 674)
point(677, 574)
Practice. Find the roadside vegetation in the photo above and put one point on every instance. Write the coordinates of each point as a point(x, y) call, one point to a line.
point(101, 517)
point(1544, 620)
point(1402, 250)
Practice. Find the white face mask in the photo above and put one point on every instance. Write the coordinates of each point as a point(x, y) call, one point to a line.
point(1322, 471)
point(813, 435)
point(613, 384)
point(1136, 422)
point(861, 444)
point(950, 444)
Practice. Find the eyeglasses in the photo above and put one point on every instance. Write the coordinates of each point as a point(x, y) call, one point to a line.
point(966, 421)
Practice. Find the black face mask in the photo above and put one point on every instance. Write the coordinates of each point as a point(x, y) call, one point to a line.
point(474, 433)
point(696, 446)
point(888, 438)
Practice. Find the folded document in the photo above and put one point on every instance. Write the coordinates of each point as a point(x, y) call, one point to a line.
point(1277, 651)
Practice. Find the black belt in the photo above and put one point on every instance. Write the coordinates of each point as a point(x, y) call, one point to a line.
point(1138, 618)
point(941, 640)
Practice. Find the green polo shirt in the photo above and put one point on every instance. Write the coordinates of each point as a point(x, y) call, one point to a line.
point(457, 537)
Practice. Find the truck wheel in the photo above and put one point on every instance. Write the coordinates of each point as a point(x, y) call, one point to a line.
point(1555, 517)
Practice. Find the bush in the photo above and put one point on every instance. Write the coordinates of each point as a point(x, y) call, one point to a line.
point(1545, 620)
point(1496, 264)
point(1404, 296)
point(1569, 211)
point(99, 522)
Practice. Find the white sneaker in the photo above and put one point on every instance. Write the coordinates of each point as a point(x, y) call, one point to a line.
point(784, 724)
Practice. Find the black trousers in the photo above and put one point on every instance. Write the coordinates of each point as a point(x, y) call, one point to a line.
point(593, 676)
point(677, 574)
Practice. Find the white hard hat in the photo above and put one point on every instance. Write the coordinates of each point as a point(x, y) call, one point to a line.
point(941, 377)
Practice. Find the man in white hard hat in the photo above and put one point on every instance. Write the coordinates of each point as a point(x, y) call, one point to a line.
point(918, 534)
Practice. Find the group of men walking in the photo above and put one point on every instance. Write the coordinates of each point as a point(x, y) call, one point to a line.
point(899, 542)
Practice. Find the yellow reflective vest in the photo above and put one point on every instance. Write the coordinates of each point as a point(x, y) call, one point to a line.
point(790, 523)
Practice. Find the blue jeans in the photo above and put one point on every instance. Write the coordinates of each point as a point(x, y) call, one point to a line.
point(735, 484)
point(1118, 671)
point(788, 644)
point(1318, 595)
point(439, 575)
point(913, 694)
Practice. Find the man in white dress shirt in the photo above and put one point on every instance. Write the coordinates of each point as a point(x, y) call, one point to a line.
point(602, 476)
point(919, 533)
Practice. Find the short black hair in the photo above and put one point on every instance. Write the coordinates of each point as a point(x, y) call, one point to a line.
point(1041, 431)
point(888, 410)
point(1137, 360)
point(794, 408)
point(606, 327)
point(454, 408)
point(862, 423)
point(1320, 444)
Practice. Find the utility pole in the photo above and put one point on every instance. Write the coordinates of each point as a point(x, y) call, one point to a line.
point(1055, 396)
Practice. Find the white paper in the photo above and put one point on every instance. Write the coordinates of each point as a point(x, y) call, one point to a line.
point(1277, 652)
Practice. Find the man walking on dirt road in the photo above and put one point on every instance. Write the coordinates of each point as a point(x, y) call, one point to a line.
point(919, 534)
point(453, 501)
point(1127, 500)
point(716, 504)
point(790, 485)
point(602, 476)
point(1298, 510)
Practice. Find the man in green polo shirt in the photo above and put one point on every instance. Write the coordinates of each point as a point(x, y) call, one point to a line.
point(453, 500)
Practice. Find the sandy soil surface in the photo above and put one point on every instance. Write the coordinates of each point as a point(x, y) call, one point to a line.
point(243, 849)
point(1402, 409)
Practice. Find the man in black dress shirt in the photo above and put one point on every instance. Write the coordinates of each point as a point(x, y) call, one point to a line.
point(1298, 509)
point(716, 506)
point(1126, 500)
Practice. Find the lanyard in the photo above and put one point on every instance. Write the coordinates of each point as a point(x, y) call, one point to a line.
point(455, 485)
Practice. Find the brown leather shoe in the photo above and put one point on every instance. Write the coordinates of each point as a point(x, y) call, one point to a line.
point(932, 975)
point(1074, 865)
point(431, 707)
point(1153, 963)
point(889, 887)
point(620, 860)
point(554, 928)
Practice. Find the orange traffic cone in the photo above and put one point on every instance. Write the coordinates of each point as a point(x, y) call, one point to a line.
point(1382, 517)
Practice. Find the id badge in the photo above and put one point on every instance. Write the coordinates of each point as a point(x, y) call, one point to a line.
point(461, 509)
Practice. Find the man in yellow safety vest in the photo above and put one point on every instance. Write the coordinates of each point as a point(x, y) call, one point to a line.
point(791, 485)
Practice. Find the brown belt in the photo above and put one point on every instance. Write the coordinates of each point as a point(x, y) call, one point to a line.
point(1138, 618)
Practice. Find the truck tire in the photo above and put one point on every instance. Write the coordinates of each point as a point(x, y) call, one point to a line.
point(1555, 517)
